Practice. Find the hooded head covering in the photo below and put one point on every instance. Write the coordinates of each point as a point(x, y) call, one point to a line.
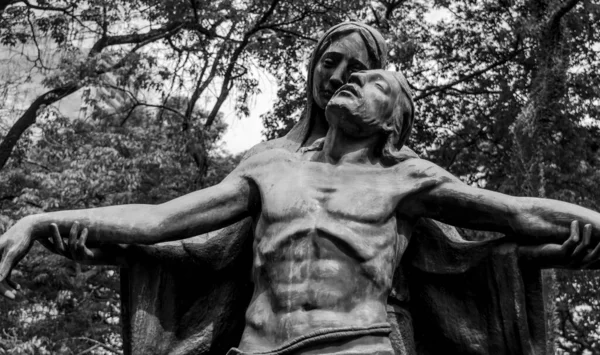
point(377, 49)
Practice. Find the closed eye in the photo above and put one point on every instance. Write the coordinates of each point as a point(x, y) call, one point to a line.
point(328, 62)
point(381, 87)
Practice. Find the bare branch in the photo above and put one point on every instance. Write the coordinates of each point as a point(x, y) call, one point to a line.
point(225, 86)
point(104, 24)
point(257, 27)
point(38, 164)
point(96, 342)
point(138, 104)
point(35, 42)
point(560, 12)
point(94, 347)
point(29, 117)
point(435, 89)
point(293, 33)
point(376, 15)
point(474, 92)
point(65, 10)
point(201, 87)
point(391, 6)
point(123, 60)
point(136, 38)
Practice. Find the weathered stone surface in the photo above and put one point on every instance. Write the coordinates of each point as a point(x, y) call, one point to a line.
point(333, 223)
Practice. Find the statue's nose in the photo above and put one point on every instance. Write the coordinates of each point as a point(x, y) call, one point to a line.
point(357, 78)
point(337, 78)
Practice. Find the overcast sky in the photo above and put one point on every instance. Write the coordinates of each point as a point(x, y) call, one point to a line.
point(243, 133)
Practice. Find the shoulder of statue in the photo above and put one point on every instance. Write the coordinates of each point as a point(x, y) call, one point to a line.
point(263, 159)
point(280, 143)
point(417, 168)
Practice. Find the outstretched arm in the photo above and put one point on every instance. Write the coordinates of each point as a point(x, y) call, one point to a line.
point(195, 213)
point(533, 220)
point(77, 248)
point(190, 215)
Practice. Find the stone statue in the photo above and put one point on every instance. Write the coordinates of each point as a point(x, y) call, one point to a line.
point(166, 310)
point(331, 223)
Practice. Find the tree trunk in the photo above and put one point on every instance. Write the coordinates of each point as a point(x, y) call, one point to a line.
point(28, 118)
point(534, 131)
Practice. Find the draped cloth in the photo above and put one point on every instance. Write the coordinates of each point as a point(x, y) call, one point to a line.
point(450, 295)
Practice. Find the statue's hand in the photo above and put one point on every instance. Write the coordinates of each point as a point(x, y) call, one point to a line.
point(75, 247)
point(14, 245)
point(574, 253)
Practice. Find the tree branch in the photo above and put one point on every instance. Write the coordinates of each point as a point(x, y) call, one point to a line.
point(554, 20)
point(225, 87)
point(65, 10)
point(136, 104)
point(28, 118)
point(293, 33)
point(136, 38)
point(48, 8)
point(92, 348)
point(38, 164)
point(201, 86)
point(435, 89)
point(35, 42)
point(104, 346)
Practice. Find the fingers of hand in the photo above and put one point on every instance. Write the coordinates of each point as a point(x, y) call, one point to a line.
point(587, 234)
point(13, 284)
point(581, 249)
point(57, 240)
point(82, 251)
point(6, 264)
point(575, 231)
point(570, 244)
point(592, 257)
point(7, 291)
point(73, 234)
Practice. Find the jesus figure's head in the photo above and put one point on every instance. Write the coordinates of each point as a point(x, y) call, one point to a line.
point(374, 102)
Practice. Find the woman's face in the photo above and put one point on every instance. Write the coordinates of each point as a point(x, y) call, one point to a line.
point(343, 57)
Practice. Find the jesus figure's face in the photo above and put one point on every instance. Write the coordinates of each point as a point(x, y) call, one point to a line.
point(365, 104)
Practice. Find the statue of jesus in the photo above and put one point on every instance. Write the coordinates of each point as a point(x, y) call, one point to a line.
point(331, 223)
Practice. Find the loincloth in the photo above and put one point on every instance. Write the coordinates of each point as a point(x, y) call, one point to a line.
point(335, 341)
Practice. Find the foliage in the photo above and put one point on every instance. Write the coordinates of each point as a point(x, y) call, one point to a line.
point(66, 307)
point(578, 316)
point(506, 92)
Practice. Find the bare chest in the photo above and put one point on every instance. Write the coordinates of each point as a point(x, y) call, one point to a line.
point(362, 194)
